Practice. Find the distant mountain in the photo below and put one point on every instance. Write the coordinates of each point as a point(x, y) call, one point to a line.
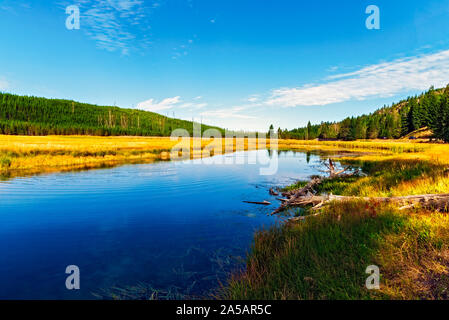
point(23, 115)
point(430, 109)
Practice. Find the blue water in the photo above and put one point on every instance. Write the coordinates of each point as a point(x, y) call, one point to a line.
point(175, 228)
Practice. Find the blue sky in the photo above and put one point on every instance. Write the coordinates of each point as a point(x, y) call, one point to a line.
point(238, 64)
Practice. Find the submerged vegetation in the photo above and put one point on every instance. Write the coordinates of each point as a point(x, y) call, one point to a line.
point(326, 256)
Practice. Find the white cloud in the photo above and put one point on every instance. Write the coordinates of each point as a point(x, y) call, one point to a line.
point(253, 98)
point(226, 113)
point(170, 103)
point(116, 25)
point(193, 106)
point(152, 105)
point(380, 80)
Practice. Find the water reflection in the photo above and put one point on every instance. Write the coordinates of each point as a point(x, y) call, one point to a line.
point(162, 230)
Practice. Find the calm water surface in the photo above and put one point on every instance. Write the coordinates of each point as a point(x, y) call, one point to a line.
point(176, 228)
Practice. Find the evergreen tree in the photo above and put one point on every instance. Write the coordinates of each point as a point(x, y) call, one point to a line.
point(40, 116)
point(308, 130)
point(441, 125)
point(270, 131)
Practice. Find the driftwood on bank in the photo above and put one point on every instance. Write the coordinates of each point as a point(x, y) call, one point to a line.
point(294, 197)
point(306, 196)
point(427, 201)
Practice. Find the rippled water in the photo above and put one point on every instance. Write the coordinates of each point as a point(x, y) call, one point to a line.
point(177, 228)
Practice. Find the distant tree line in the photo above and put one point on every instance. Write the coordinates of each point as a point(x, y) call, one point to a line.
point(430, 109)
point(22, 115)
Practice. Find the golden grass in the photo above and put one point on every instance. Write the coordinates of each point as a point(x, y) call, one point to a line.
point(31, 154)
point(402, 155)
point(325, 257)
point(415, 260)
point(28, 154)
point(23, 155)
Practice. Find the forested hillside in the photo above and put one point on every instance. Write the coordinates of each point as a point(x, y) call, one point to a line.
point(430, 109)
point(21, 115)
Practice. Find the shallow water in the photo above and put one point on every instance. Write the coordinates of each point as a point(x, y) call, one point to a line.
point(173, 227)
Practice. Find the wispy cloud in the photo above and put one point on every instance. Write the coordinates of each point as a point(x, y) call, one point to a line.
point(170, 104)
point(13, 7)
point(253, 98)
point(153, 105)
point(375, 81)
point(116, 25)
point(198, 107)
point(227, 113)
point(193, 106)
point(182, 50)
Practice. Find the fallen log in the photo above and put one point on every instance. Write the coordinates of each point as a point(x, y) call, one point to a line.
point(273, 193)
point(293, 195)
point(265, 203)
point(306, 195)
point(428, 201)
point(331, 169)
point(308, 188)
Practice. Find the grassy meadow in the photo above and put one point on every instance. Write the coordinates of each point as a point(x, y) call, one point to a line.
point(24, 155)
point(38, 154)
point(325, 256)
point(322, 257)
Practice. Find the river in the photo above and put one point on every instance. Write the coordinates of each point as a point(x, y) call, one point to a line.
point(175, 228)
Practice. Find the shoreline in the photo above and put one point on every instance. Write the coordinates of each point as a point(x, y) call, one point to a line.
point(323, 257)
point(326, 256)
point(29, 155)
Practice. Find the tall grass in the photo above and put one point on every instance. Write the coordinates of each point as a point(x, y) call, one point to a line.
point(34, 154)
point(30, 154)
point(325, 257)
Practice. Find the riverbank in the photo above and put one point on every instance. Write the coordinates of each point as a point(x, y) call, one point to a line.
point(326, 256)
point(323, 257)
point(27, 155)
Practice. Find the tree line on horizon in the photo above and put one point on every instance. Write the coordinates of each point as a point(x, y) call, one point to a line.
point(23, 115)
point(430, 109)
